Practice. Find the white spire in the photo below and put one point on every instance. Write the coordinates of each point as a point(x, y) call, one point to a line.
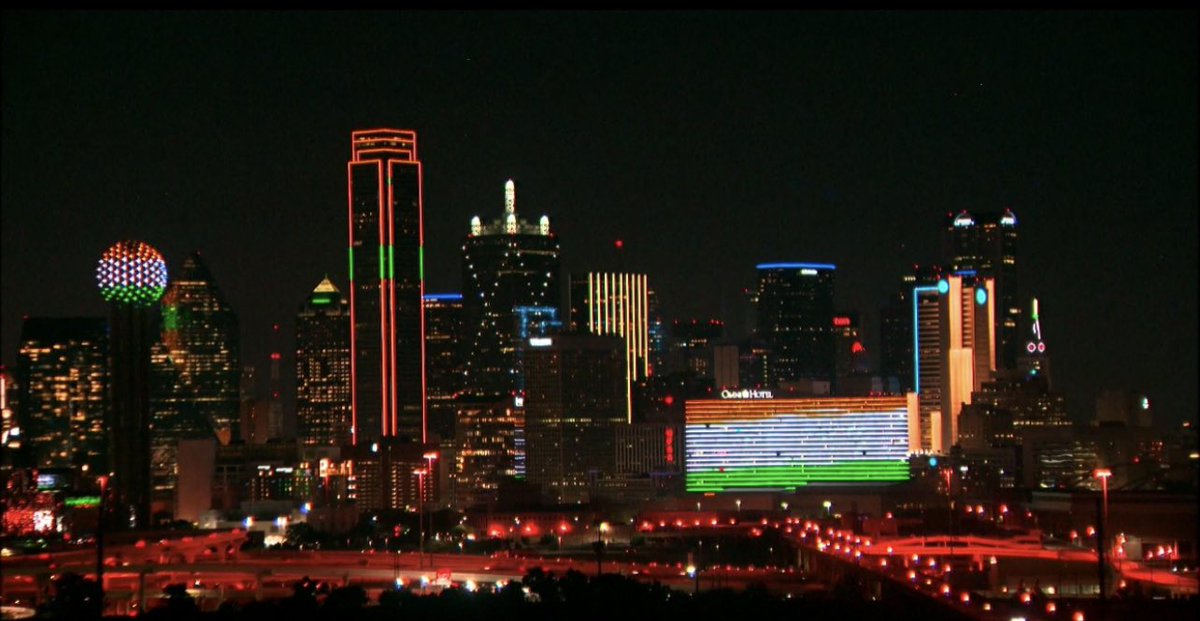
point(510, 197)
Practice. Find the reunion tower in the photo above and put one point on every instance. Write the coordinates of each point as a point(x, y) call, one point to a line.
point(132, 277)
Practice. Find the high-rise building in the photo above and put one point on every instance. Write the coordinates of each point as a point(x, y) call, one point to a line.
point(850, 355)
point(63, 374)
point(507, 264)
point(1033, 359)
point(896, 330)
point(616, 304)
point(657, 334)
point(132, 277)
point(691, 346)
point(575, 399)
point(276, 418)
point(954, 347)
point(795, 318)
point(443, 360)
point(10, 427)
point(387, 325)
point(200, 332)
point(323, 368)
point(486, 449)
point(986, 243)
point(178, 415)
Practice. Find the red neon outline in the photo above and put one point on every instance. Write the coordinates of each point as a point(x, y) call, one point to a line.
point(393, 419)
point(353, 341)
point(421, 278)
point(383, 322)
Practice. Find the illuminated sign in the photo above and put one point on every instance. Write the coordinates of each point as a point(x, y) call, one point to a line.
point(669, 439)
point(808, 272)
point(540, 341)
point(841, 322)
point(746, 393)
point(82, 501)
point(518, 401)
point(49, 481)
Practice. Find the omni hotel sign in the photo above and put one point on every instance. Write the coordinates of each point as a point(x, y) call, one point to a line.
point(746, 393)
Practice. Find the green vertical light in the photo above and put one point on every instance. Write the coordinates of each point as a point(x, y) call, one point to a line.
point(381, 264)
point(351, 249)
point(421, 262)
point(391, 262)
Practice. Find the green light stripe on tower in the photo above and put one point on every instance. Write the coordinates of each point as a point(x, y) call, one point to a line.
point(351, 249)
point(781, 477)
point(421, 263)
point(391, 262)
point(381, 263)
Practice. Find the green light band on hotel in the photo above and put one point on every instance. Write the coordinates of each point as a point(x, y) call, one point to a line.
point(786, 477)
point(351, 249)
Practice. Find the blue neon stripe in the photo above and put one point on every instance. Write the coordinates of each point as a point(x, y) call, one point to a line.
point(917, 340)
point(796, 266)
point(433, 297)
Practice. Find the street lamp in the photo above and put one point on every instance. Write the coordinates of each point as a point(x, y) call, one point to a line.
point(827, 504)
point(603, 528)
point(1103, 474)
point(103, 480)
point(738, 502)
point(429, 458)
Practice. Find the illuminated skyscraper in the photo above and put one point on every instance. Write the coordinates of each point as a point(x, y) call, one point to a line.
point(443, 351)
point(132, 277)
point(387, 344)
point(200, 332)
point(986, 243)
point(323, 368)
point(63, 377)
point(507, 264)
point(954, 349)
point(604, 303)
point(795, 319)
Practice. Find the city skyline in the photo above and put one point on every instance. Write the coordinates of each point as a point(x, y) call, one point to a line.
point(833, 152)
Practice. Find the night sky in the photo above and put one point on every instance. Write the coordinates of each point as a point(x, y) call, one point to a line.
point(706, 142)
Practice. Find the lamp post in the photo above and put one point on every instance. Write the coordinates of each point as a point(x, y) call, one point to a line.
point(827, 504)
point(421, 473)
point(103, 480)
point(1103, 474)
point(600, 530)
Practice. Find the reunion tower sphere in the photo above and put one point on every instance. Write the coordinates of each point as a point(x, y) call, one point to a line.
point(132, 272)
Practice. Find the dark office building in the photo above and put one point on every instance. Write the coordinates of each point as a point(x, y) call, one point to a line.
point(323, 368)
point(795, 319)
point(986, 243)
point(507, 264)
point(443, 360)
point(63, 379)
point(386, 284)
point(691, 346)
point(200, 332)
point(575, 400)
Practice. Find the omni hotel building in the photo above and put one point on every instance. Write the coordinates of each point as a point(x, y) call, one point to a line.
point(748, 440)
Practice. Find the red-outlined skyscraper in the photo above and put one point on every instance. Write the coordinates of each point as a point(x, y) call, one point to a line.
point(386, 257)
